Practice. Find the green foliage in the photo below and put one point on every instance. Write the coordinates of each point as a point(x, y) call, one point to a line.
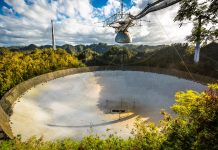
point(4, 50)
point(177, 56)
point(117, 55)
point(195, 126)
point(87, 55)
point(196, 123)
point(38, 144)
point(17, 67)
point(167, 57)
point(206, 11)
point(147, 135)
point(213, 86)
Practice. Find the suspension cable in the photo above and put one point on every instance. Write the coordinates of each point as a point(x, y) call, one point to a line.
point(154, 7)
point(177, 52)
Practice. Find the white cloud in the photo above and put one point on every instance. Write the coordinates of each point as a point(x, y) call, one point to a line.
point(18, 5)
point(8, 11)
point(76, 23)
point(161, 29)
point(111, 7)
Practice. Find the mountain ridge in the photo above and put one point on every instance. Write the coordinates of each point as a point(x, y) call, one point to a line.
point(100, 47)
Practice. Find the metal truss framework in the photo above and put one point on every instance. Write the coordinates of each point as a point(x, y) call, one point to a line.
point(122, 21)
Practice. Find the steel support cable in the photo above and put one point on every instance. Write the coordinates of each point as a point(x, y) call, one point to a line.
point(186, 67)
point(161, 6)
point(146, 8)
point(153, 8)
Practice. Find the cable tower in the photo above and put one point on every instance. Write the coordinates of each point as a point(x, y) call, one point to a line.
point(53, 36)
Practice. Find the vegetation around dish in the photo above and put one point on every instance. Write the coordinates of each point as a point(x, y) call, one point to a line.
point(18, 66)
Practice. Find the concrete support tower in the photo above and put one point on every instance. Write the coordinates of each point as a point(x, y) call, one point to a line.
point(121, 10)
point(198, 42)
point(53, 36)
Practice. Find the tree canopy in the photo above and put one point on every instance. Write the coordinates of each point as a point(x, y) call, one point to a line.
point(204, 10)
point(17, 67)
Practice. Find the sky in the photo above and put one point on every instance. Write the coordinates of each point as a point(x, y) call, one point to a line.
point(24, 22)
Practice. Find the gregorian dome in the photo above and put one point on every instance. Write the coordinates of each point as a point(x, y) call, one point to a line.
point(123, 37)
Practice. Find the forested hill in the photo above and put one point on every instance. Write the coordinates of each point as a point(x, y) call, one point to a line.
point(210, 52)
point(179, 55)
point(100, 48)
point(17, 67)
point(174, 56)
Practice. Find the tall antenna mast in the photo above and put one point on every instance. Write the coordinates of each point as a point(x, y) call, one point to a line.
point(53, 37)
point(121, 9)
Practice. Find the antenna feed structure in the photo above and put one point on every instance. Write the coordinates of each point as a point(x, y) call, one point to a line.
point(122, 21)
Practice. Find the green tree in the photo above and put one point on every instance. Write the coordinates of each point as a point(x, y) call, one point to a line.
point(4, 50)
point(204, 15)
point(196, 123)
point(117, 55)
point(16, 67)
point(87, 55)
